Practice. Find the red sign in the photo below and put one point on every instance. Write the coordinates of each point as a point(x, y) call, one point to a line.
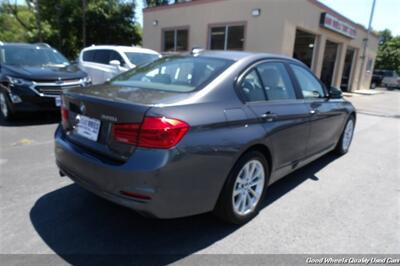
point(333, 23)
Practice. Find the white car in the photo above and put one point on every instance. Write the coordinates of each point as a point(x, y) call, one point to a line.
point(102, 62)
point(391, 80)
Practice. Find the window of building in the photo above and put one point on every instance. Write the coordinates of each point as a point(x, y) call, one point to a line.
point(369, 64)
point(227, 37)
point(276, 81)
point(175, 40)
point(310, 86)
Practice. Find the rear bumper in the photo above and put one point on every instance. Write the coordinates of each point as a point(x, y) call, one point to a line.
point(168, 177)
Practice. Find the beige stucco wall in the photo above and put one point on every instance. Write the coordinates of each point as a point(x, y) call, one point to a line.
point(273, 31)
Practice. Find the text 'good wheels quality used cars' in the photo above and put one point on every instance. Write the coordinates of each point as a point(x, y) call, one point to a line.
point(204, 132)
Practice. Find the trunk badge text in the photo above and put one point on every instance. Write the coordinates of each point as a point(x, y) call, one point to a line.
point(109, 118)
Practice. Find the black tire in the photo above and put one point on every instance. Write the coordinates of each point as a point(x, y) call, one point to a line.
point(340, 148)
point(224, 208)
point(9, 115)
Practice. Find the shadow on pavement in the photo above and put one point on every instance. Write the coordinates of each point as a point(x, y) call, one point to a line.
point(31, 119)
point(84, 229)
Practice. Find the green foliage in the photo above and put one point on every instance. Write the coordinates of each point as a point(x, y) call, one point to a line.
point(388, 56)
point(107, 22)
point(11, 29)
point(153, 3)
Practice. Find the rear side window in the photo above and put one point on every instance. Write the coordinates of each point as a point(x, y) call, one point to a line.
point(310, 86)
point(88, 56)
point(276, 81)
point(178, 74)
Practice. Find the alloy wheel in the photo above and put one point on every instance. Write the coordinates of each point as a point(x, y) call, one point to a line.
point(348, 134)
point(248, 187)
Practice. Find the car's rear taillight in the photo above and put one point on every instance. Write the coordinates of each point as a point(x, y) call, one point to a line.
point(154, 132)
point(64, 116)
point(126, 133)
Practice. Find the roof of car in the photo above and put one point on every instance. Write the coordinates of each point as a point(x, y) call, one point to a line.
point(238, 55)
point(21, 44)
point(122, 48)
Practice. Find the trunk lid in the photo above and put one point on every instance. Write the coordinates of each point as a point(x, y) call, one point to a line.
point(108, 105)
point(131, 95)
point(106, 112)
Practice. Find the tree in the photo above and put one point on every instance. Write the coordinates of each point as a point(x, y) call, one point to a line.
point(11, 30)
point(388, 56)
point(384, 36)
point(153, 3)
point(106, 21)
point(59, 23)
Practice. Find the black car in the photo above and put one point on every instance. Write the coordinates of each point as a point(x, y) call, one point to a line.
point(204, 132)
point(32, 77)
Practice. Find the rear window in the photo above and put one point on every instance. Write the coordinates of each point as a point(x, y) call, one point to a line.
point(178, 74)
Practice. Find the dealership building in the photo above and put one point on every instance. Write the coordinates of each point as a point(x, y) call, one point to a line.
point(332, 45)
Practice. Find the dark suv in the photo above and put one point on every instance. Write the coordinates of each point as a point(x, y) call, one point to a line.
point(32, 77)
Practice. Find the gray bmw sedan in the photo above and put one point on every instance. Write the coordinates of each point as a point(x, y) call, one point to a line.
point(209, 131)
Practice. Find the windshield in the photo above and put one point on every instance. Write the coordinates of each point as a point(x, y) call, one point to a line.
point(140, 59)
point(31, 56)
point(178, 74)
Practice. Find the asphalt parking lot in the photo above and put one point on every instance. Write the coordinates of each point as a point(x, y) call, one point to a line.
point(341, 205)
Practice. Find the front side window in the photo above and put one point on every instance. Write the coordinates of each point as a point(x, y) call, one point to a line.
point(276, 81)
point(227, 37)
point(31, 56)
point(102, 56)
point(116, 56)
point(175, 74)
point(310, 86)
point(175, 40)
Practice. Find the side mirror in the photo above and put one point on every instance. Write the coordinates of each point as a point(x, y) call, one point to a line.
point(115, 63)
point(335, 93)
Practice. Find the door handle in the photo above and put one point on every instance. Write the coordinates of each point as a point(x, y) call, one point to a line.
point(313, 111)
point(269, 116)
